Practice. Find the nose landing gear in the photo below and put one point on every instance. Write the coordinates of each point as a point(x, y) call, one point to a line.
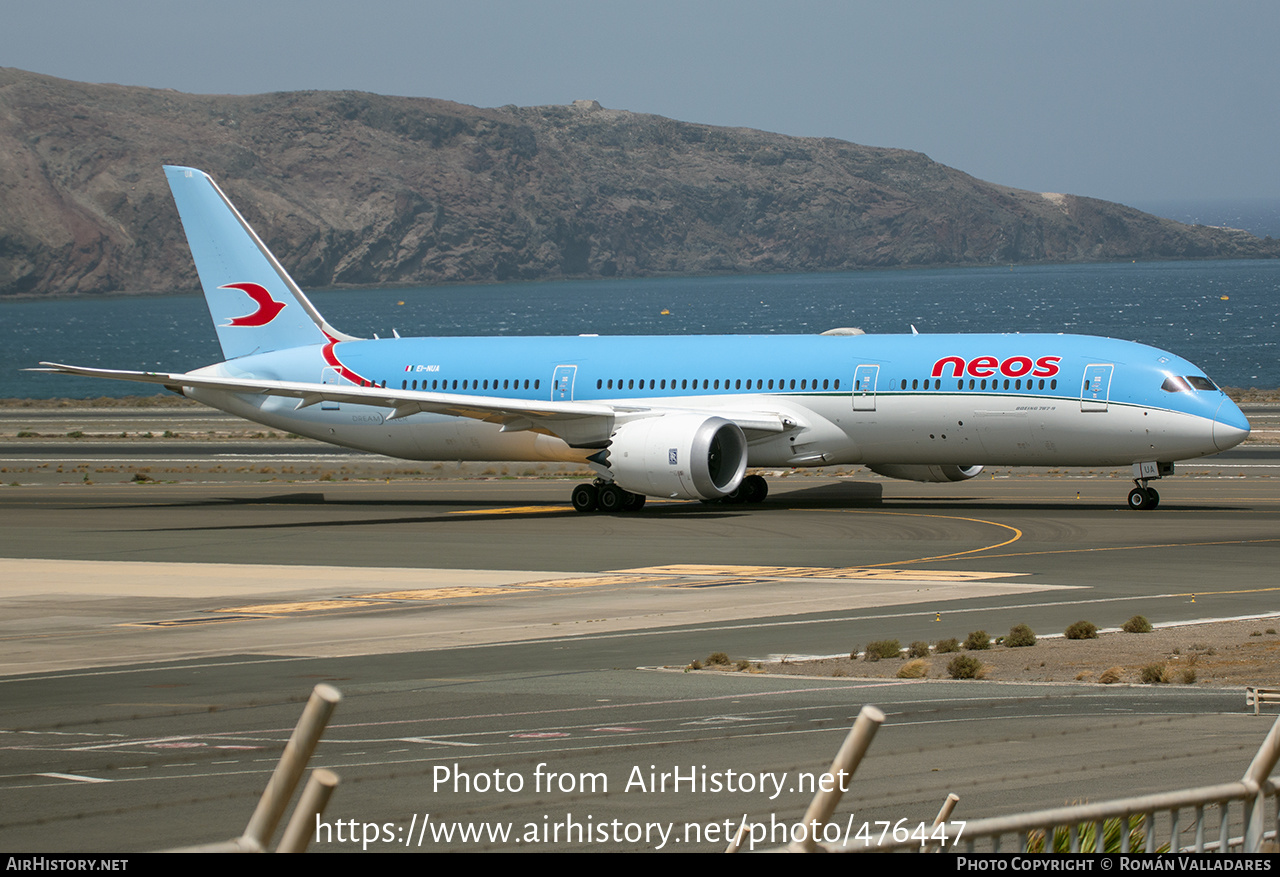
point(1142, 496)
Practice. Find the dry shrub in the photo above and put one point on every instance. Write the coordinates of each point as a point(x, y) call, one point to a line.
point(1082, 630)
point(965, 667)
point(1153, 674)
point(884, 648)
point(1136, 624)
point(914, 669)
point(1020, 636)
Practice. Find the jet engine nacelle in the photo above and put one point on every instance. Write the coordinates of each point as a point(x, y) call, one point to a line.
point(916, 472)
point(686, 456)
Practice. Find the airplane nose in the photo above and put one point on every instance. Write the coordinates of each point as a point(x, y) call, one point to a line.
point(1230, 426)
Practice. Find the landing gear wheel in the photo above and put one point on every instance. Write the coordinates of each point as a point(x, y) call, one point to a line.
point(1153, 497)
point(586, 498)
point(1140, 498)
point(635, 502)
point(754, 488)
point(612, 499)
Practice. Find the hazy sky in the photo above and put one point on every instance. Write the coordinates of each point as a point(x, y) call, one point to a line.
point(1126, 100)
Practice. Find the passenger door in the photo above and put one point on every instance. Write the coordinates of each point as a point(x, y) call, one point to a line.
point(1095, 390)
point(562, 383)
point(864, 387)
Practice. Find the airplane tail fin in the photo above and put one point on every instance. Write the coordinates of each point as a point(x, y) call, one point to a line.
point(255, 305)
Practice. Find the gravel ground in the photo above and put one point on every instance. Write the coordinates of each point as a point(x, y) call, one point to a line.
point(1222, 654)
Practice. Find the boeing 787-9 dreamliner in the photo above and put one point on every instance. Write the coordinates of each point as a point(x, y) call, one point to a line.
point(684, 416)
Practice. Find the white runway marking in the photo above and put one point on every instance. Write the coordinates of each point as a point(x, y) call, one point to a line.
point(75, 777)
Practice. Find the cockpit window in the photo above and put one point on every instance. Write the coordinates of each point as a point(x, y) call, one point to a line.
point(1174, 384)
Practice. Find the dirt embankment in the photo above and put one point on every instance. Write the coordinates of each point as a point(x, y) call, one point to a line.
point(1222, 654)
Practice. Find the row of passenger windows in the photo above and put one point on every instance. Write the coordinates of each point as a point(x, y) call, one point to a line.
point(710, 384)
point(1015, 384)
point(1172, 385)
point(468, 384)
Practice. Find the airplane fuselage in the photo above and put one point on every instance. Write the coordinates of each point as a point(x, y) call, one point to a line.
point(1029, 400)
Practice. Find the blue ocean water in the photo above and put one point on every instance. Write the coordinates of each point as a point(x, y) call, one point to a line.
point(1222, 315)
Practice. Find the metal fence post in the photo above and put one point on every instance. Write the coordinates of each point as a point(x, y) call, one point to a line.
point(840, 774)
point(944, 813)
point(294, 760)
point(1255, 777)
point(315, 795)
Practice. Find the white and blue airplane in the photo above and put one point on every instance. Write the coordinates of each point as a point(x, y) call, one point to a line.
point(684, 416)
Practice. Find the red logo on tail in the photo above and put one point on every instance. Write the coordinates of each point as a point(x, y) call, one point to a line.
point(267, 310)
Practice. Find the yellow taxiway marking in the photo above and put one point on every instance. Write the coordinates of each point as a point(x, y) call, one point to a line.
point(916, 575)
point(714, 569)
point(517, 510)
point(304, 606)
point(668, 576)
point(1234, 591)
point(516, 588)
point(859, 572)
point(1017, 534)
point(442, 593)
point(1138, 547)
point(384, 598)
point(590, 581)
point(821, 572)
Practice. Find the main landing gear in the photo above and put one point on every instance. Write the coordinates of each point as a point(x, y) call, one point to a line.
point(752, 489)
point(604, 496)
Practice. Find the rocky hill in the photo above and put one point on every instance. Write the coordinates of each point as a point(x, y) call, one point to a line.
point(360, 189)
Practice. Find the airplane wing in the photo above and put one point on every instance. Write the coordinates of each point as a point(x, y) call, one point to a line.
point(580, 424)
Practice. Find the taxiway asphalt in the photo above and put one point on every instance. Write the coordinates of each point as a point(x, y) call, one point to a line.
point(157, 639)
